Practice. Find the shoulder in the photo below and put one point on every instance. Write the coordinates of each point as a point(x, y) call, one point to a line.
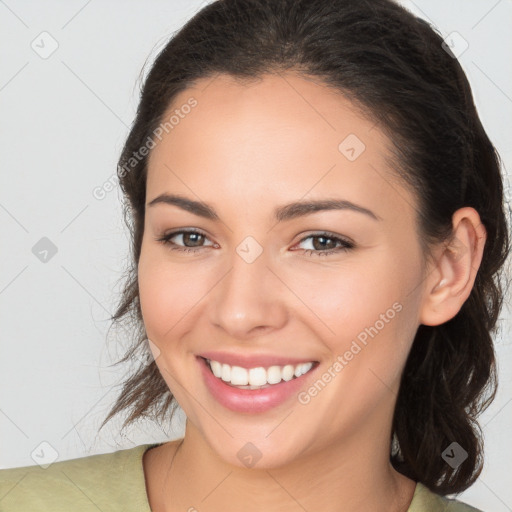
point(424, 500)
point(82, 484)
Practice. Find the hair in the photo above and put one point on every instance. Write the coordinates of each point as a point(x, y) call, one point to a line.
point(394, 67)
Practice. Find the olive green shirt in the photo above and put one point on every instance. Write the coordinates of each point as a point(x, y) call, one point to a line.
point(115, 482)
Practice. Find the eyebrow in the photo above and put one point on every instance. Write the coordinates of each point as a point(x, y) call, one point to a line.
point(281, 213)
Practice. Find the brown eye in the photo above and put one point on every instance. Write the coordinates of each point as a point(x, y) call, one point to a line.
point(192, 238)
point(325, 243)
point(186, 240)
point(322, 242)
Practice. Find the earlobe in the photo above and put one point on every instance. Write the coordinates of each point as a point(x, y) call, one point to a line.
point(453, 274)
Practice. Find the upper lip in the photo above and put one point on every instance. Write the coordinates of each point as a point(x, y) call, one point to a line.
point(253, 361)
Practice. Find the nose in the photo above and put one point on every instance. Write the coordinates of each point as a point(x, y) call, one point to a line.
point(250, 300)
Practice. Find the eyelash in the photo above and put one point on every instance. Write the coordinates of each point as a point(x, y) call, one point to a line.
point(347, 245)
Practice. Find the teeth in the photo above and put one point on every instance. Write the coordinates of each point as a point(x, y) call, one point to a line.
point(226, 373)
point(255, 378)
point(274, 375)
point(216, 368)
point(239, 376)
point(288, 371)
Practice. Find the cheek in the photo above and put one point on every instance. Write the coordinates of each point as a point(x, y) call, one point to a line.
point(365, 303)
point(372, 321)
point(167, 295)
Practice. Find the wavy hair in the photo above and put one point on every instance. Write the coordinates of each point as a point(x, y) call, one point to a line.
point(394, 68)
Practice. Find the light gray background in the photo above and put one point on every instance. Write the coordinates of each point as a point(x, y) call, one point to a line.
point(63, 122)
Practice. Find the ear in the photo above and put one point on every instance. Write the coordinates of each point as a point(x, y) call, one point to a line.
point(452, 275)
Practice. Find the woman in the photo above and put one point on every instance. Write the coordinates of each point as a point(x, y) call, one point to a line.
point(318, 234)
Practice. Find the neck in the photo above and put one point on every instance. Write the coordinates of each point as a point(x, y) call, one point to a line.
point(351, 475)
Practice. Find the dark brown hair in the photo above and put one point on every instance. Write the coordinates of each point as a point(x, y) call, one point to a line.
point(392, 65)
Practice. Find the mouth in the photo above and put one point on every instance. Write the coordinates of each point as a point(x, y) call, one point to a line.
point(257, 377)
point(255, 389)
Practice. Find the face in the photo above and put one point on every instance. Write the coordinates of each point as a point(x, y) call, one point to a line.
point(259, 284)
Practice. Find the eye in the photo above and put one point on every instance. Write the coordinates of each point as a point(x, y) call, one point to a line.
point(326, 244)
point(188, 236)
point(193, 241)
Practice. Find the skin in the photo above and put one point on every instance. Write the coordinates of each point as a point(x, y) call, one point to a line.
point(246, 149)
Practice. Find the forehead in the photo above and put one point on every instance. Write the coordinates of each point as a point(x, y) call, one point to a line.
point(281, 136)
point(293, 107)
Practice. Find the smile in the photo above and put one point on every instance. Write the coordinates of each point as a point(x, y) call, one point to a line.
point(257, 389)
point(257, 378)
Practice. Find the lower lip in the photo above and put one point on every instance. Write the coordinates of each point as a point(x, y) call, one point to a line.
point(250, 400)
